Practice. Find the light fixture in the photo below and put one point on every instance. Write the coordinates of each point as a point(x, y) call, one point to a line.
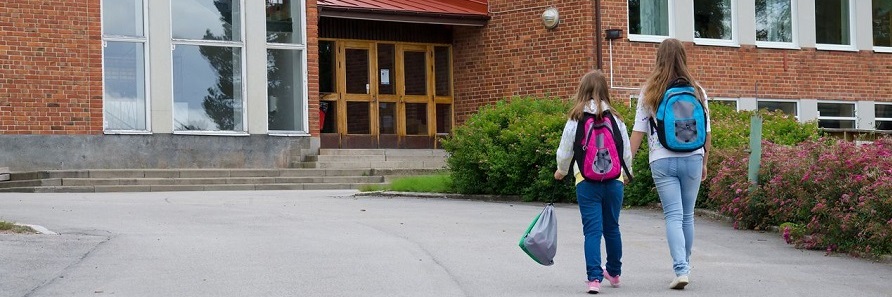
point(550, 18)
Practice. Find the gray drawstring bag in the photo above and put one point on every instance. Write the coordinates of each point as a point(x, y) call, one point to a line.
point(540, 239)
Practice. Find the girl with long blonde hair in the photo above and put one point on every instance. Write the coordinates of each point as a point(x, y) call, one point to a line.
point(599, 202)
point(677, 175)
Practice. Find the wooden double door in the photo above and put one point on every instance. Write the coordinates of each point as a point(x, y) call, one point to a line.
point(385, 94)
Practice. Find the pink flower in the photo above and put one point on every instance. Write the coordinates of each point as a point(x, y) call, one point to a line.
point(787, 234)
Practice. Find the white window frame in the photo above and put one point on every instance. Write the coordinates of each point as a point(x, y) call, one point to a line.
point(144, 40)
point(794, 15)
point(877, 119)
point(302, 47)
point(733, 42)
point(852, 46)
point(735, 100)
point(651, 38)
point(798, 105)
point(853, 118)
point(241, 45)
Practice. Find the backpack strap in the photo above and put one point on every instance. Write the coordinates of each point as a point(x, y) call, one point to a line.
point(620, 145)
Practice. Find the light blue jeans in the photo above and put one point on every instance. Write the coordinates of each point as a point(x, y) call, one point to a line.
point(678, 181)
point(599, 205)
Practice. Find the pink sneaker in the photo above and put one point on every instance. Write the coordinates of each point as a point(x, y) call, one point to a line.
point(594, 287)
point(614, 280)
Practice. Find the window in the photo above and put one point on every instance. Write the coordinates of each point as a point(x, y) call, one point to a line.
point(882, 25)
point(787, 107)
point(714, 22)
point(208, 88)
point(836, 115)
point(124, 66)
point(834, 28)
point(775, 23)
point(285, 66)
point(648, 18)
point(883, 116)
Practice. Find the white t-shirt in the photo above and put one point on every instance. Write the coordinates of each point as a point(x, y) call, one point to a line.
point(642, 124)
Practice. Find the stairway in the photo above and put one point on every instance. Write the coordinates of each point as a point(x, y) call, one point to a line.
point(331, 169)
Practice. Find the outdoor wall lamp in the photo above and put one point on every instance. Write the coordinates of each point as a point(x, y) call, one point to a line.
point(550, 18)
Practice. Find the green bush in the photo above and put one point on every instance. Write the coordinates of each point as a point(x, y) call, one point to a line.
point(509, 149)
point(730, 133)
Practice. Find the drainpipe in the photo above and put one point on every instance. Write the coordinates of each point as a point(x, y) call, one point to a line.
point(598, 32)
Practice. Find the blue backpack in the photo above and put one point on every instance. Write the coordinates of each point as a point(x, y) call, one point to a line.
point(680, 119)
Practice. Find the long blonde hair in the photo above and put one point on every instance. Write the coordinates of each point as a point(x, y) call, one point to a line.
point(671, 65)
point(592, 86)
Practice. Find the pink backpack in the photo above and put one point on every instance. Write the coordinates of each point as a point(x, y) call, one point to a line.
point(598, 148)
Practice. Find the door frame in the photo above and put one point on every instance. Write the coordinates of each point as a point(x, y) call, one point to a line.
point(400, 98)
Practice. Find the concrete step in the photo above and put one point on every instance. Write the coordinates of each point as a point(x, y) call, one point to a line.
point(217, 181)
point(384, 152)
point(170, 188)
point(185, 173)
point(359, 164)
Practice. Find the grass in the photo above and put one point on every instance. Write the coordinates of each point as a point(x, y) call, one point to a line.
point(11, 227)
point(440, 183)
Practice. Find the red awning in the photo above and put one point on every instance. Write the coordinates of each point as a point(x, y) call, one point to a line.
point(448, 12)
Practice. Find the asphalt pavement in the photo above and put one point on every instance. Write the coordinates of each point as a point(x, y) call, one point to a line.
point(330, 243)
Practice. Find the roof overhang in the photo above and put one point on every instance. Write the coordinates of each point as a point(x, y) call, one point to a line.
point(467, 16)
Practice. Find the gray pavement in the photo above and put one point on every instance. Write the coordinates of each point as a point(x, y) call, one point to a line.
point(328, 243)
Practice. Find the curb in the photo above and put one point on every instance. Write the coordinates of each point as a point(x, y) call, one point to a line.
point(497, 198)
point(39, 229)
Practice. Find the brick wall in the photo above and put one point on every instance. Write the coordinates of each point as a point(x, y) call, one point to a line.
point(514, 55)
point(313, 66)
point(748, 71)
point(50, 67)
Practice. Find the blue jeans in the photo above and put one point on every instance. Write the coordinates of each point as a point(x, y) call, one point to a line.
point(678, 181)
point(599, 204)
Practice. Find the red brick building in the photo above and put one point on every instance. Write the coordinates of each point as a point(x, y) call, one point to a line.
point(249, 83)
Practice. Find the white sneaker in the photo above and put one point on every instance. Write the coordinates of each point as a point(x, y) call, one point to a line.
point(679, 282)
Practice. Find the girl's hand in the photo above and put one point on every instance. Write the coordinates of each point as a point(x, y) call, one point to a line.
point(702, 179)
point(558, 175)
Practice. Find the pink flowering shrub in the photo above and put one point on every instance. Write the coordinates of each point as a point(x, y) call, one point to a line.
point(833, 195)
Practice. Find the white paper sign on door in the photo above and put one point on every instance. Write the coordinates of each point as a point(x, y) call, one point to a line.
point(385, 76)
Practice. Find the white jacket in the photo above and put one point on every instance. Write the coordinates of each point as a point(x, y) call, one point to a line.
point(565, 150)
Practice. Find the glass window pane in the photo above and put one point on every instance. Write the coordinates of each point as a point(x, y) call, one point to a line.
point(416, 72)
point(386, 62)
point(444, 118)
point(882, 22)
point(785, 107)
point(206, 19)
point(774, 20)
point(326, 67)
point(884, 125)
point(122, 18)
point(328, 116)
point(416, 119)
point(837, 124)
point(283, 21)
point(443, 73)
point(649, 17)
point(883, 110)
point(357, 67)
point(358, 118)
point(387, 117)
point(124, 99)
point(285, 89)
point(207, 88)
point(833, 24)
point(712, 19)
point(836, 110)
